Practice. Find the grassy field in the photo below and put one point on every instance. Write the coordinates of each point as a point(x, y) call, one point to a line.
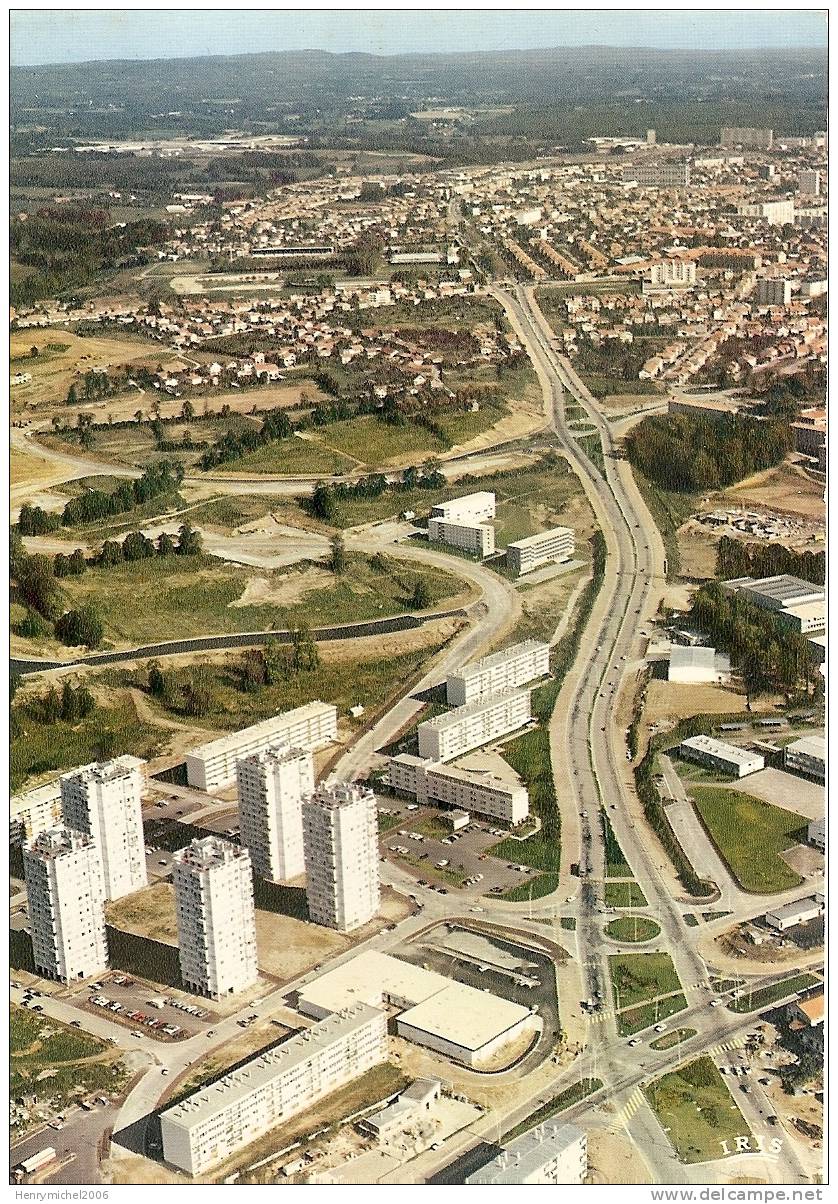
point(696, 1111)
point(669, 510)
point(638, 977)
point(56, 1062)
point(529, 756)
point(632, 929)
point(559, 1103)
point(370, 441)
point(291, 457)
point(54, 372)
point(750, 835)
point(674, 1038)
point(149, 912)
point(533, 888)
point(634, 1020)
point(752, 1001)
point(624, 894)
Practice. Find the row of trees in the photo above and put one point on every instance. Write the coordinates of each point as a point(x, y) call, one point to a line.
point(96, 504)
point(695, 455)
point(735, 558)
point(326, 498)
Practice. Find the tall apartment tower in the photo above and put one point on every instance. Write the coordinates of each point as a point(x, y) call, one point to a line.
point(272, 786)
point(104, 800)
point(216, 921)
point(340, 831)
point(66, 896)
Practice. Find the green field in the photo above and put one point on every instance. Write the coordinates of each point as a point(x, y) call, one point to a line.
point(533, 888)
point(756, 1000)
point(674, 1038)
point(750, 835)
point(696, 1111)
point(529, 756)
point(634, 1020)
point(370, 441)
point(632, 928)
point(639, 977)
point(624, 894)
point(290, 457)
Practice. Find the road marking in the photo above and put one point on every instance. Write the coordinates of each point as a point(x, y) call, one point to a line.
point(632, 1105)
point(727, 1046)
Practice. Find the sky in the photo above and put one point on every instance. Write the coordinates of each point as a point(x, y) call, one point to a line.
point(79, 35)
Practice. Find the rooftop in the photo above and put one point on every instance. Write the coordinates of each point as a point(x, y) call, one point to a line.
point(527, 1154)
point(683, 657)
point(501, 658)
point(264, 729)
point(55, 842)
point(474, 708)
point(104, 771)
point(534, 540)
point(809, 746)
point(204, 852)
point(784, 588)
point(718, 748)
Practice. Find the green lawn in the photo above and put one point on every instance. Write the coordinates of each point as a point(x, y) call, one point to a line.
point(559, 1103)
point(750, 834)
point(674, 1038)
point(529, 756)
point(533, 888)
point(632, 928)
point(290, 456)
point(634, 1020)
point(624, 894)
point(374, 442)
point(696, 1111)
point(638, 977)
point(756, 1000)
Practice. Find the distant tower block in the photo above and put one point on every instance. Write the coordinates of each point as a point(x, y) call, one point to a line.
point(651, 137)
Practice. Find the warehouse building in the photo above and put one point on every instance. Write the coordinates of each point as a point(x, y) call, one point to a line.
point(807, 755)
point(550, 1153)
point(459, 731)
point(466, 789)
point(213, 765)
point(726, 758)
point(693, 665)
point(775, 593)
point(216, 1122)
point(34, 812)
point(461, 1023)
point(500, 671)
point(802, 911)
point(554, 546)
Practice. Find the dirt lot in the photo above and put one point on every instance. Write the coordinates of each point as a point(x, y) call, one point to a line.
point(612, 1158)
point(669, 701)
point(260, 591)
point(149, 912)
point(53, 372)
point(787, 489)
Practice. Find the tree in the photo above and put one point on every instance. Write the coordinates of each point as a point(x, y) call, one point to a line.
point(190, 541)
point(33, 353)
point(187, 411)
point(252, 670)
point(110, 554)
point(31, 626)
point(69, 710)
point(61, 565)
point(77, 563)
point(137, 546)
point(85, 702)
point(165, 545)
point(156, 680)
point(36, 585)
point(337, 559)
point(322, 503)
point(304, 653)
point(80, 627)
point(421, 599)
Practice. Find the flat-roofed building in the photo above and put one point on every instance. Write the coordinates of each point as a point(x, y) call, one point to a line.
point(806, 618)
point(105, 800)
point(35, 811)
point(726, 758)
point(459, 731)
point(505, 670)
point(807, 755)
point(476, 507)
point(465, 789)
point(550, 1153)
point(777, 593)
point(816, 834)
point(475, 537)
point(216, 920)
point(340, 839)
point(65, 889)
point(548, 547)
point(695, 665)
point(672, 273)
point(801, 911)
point(773, 213)
point(668, 174)
point(272, 785)
point(463, 1024)
point(748, 137)
point(217, 1121)
point(213, 765)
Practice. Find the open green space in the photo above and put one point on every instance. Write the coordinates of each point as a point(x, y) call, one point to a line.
point(696, 1111)
point(674, 1038)
point(369, 440)
point(632, 929)
point(616, 865)
point(291, 457)
point(52, 1061)
point(624, 894)
point(559, 1103)
point(533, 888)
point(752, 1001)
point(750, 835)
point(638, 977)
point(529, 756)
point(634, 1020)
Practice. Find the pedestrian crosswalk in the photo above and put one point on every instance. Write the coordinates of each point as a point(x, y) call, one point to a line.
point(727, 1046)
point(632, 1104)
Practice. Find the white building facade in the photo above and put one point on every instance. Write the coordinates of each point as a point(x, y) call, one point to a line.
point(35, 811)
point(105, 800)
point(551, 1153)
point(459, 731)
point(554, 546)
point(216, 920)
point(340, 836)
point(807, 755)
point(213, 765)
point(467, 790)
point(272, 786)
point(498, 672)
point(726, 758)
point(465, 523)
point(66, 894)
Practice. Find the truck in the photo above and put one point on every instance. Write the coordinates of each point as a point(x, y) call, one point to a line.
point(34, 1162)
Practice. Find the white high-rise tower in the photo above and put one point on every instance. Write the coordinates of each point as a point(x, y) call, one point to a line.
point(216, 920)
point(272, 786)
point(340, 832)
point(65, 889)
point(104, 800)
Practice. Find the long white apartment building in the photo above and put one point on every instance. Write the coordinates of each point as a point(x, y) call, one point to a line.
point(459, 731)
point(213, 765)
point(500, 671)
point(34, 811)
point(726, 758)
point(216, 1122)
point(547, 547)
point(464, 789)
point(66, 894)
point(550, 1153)
point(216, 921)
point(465, 522)
point(272, 785)
point(105, 800)
point(807, 755)
point(340, 837)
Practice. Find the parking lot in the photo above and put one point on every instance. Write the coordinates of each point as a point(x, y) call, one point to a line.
point(127, 1001)
point(420, 840)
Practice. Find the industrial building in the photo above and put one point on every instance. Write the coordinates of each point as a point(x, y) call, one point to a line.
point(816, 834)
point(340, 838)
point(213, 765)
point(216, 921)
point(548, 547)
point(807, 755)
point(801, 911)
point(410, 1111)
point(105, 801)
point(694, 665)
point(800, 605)
point(461, 1023)
point(500, 671)
point(726, 758)
point(669, 174)
point(34, 812)
point(272, 785)
point(459, 731)
point(215, 1122)
point(550, 1153)
point(66, 894)
point(465, 522)
point(467, 789)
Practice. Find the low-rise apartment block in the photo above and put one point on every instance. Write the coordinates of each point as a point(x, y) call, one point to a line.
point(807, 755)
point(554, 546)
point(459, 731)
point(272, 785)
point(464, 789)
point(216, 921)
point(726, 758)
point(658, 175)
point(550, 1153)
point(465, 522)
point(34, 812)
point(213, 765)
point(215, 1122)
point(505, 670)
point(747, 137)
point(105, 800)
point(66, 894)
point(340, 836)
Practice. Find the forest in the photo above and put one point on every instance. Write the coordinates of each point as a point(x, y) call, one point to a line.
point(735, 558)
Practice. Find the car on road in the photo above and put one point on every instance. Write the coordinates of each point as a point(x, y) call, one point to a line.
point(659, 1028)
point(164, 1070)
